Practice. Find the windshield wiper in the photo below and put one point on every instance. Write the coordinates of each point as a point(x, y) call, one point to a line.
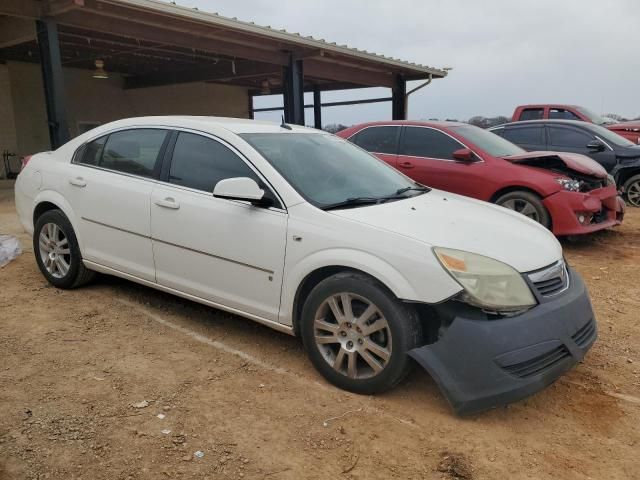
point(352, 202)
point(419, 188)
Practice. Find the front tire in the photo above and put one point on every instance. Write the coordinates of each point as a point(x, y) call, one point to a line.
point(357, 334)
point(57, 251)
point(632, 190)
point(528, 204)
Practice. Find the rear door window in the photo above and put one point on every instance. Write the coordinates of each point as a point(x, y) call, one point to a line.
point(428, 142)
point(532, 114)
point(382, 139)
point(562, 114)
point(133, 151)
point(530, 135)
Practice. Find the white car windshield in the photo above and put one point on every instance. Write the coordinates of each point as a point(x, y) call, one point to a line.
point(327, 170)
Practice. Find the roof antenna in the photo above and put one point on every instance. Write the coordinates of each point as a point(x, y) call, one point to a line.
point(284, 125)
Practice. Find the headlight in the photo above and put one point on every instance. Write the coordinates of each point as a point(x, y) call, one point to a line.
point(488, 283)
point(569, 184)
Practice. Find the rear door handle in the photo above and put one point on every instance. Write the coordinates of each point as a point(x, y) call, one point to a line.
point(168, 202)
point(406, 165)
point(78, 182)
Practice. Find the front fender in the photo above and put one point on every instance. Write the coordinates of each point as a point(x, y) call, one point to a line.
point(368, 263)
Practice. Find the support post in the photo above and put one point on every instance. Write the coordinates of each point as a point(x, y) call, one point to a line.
point(399, 99)
point(251, 110)
point(52, 76)
point(293, 84)
point(317, 108)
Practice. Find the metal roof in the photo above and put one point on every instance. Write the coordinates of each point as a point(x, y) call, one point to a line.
point(213, 18)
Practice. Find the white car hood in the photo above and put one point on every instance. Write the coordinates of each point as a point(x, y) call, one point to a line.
point(445, 219)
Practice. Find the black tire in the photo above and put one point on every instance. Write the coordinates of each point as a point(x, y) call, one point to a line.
point(77, 274)
point(520, 198)
point(632, 190)
point(402, 333)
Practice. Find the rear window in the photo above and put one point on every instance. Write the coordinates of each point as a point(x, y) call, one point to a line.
point(532, 114)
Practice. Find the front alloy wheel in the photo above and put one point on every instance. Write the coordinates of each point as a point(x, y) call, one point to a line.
point(632, 189)
point(353, 335)
point(357, 333)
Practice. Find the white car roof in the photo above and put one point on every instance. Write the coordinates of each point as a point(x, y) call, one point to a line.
point(235, 125)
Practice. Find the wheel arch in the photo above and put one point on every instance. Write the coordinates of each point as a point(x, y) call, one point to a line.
point(514, 188)
point(624, 174)
point(315, 268)
point(48, 200)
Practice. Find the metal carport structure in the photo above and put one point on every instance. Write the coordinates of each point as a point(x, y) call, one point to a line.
point(152, 43)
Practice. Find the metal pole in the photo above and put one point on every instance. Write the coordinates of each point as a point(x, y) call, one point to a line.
point(317, 108)
point(53, 79)
point(398, 102)
point(293, 92)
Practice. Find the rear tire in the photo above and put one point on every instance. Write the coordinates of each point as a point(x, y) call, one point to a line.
point(528, 204)
point(57, 251)
point(632, 190)
point(357, 334)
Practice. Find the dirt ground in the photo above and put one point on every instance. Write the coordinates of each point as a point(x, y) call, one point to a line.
point(73, 364)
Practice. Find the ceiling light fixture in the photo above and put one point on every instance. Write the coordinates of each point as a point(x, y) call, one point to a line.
point(100, 72)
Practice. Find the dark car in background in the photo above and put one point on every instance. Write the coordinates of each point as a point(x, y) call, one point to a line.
point(620, 157)
point(553, 111)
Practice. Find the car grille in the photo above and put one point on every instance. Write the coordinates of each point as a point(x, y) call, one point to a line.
point(584, 335)
point(539, 364)
point(550, 280)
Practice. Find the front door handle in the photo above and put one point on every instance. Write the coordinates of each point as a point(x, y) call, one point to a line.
point(78, 182)
point(168, 202)
point(406, 165)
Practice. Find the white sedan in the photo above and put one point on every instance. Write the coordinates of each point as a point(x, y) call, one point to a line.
point(306, 233)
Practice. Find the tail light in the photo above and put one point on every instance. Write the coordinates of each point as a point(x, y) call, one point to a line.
point(25, 160)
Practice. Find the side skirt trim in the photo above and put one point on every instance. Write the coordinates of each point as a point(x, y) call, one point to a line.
point(264, 321)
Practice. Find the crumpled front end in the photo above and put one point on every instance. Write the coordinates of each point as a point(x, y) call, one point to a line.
point(480, 362)
point(578, 213)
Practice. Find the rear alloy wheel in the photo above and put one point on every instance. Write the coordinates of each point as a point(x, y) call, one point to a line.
point(57, 251)
point(527, 204)
point(632, 190)
point(357, 334)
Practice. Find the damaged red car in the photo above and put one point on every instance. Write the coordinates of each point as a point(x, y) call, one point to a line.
point(568, 193)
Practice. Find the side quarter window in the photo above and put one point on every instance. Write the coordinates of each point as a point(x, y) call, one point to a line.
point(90, 153)
point(378, 139)
point(428, 142)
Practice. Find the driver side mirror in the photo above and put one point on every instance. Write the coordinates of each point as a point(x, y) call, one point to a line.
point(241, 188)
point(595, 146)
point(465, 155)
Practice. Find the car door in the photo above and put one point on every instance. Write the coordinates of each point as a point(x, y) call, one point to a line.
point(381, 140)
point(529, 137)
point(109, 186)
point(566, 138)
point(225, 251)
point(426, 155)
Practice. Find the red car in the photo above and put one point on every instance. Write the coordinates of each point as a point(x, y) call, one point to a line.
point(568, 193)
point(629, 130)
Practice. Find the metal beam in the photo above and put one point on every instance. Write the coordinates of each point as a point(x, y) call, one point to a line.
point(330, 104)
point(316, 68)
point(51, 63)
point(90, 20)
point(317, 108)
point(14, 31)
point(21, 8)
point(293, 83)
point(399, 99)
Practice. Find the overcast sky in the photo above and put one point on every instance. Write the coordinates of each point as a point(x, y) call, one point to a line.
point(503, 53)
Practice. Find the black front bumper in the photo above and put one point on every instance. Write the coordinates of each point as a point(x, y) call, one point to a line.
point(480, 364)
